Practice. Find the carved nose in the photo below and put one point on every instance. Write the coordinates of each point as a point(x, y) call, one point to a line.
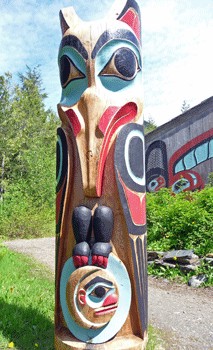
point(110, 300)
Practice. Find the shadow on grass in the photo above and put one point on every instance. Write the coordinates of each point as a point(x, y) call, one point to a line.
point(26, 327)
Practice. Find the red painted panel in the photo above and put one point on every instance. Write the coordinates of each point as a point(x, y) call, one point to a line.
point(106, 118)
point(76, 126)
point(132, 20)
point(124, 115)
point(137, 205)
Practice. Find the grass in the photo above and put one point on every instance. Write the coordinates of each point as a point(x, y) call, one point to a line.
point(27, 305)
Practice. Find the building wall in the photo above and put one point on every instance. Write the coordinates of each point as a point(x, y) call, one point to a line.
point(180, 153)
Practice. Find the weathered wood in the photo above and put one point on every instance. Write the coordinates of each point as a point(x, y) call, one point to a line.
point(101, 220)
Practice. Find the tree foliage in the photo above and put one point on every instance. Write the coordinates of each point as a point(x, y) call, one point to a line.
point(150, 125)
point(27, 153)
point(185, 106)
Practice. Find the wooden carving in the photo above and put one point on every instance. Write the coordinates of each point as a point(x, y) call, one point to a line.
point(101, 278)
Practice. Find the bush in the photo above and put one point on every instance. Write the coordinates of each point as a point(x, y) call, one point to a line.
point(183, 221)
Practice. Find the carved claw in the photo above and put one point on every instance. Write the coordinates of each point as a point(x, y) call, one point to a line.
point(100, 253)
point(80, 254)
point(99, 260)
point(80, 260)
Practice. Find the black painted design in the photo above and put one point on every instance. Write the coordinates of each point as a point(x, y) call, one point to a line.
point(81, 249)
point(73, 41)
point(156, 164)
point(125, 62)
point(100, 291)
point(58, 225)
point(135, 157)
point(122, 172)
point(120, 161)
point(98, 280)
point(82, 223)
point(109, 35)
point(61, 163)
point(103, 224)
point(102, 249)
point(66, 65)
point(140, 260)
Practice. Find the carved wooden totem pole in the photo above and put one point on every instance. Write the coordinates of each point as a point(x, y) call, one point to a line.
point(101, 278)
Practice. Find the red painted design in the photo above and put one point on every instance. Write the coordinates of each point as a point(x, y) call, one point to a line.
point(137, 205)
point(161, 183)
point(80, 260)
point(124, 115)
point(82, 297)
point(131, 18)
point(110, 300)
point(99, 260)
point(106, 118)
point(186, 174)
point(76, 126)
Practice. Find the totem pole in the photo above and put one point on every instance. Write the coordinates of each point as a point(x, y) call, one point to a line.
point(101, 278)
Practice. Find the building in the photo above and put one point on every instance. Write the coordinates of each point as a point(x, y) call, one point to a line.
point(179, 154)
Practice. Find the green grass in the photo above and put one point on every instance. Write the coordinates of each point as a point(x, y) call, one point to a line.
point(26, 303)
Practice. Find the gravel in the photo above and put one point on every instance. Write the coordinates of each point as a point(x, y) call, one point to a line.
point(183, 314)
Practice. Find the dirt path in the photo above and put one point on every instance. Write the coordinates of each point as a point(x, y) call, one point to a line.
point(185, 315)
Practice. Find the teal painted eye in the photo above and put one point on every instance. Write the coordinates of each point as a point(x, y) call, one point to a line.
point(123, 64)
point(68, 71)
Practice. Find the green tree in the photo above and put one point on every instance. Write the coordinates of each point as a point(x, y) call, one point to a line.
point(185, 106)
point(150, 125)
point(28, 149)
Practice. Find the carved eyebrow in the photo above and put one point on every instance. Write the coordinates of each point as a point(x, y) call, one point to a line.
point(109, 35)
point(96, 280)
point(73, 41)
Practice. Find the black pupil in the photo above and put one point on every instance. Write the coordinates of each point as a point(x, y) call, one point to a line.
point(125, 62)
point(99, 292)
point(64, 69)
point(152, 184)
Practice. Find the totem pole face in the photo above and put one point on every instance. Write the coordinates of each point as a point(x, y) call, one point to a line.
point(100, 70)
point(92, 297)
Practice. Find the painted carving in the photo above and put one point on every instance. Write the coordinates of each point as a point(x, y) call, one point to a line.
point(156, 167)
point(101, 279)
point(180, 173)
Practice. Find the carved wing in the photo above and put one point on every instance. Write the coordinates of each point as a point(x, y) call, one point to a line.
point(130, 176)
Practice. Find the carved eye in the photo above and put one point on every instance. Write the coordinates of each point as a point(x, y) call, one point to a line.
point(123, 64)
point(68, 71)
point(99, 292)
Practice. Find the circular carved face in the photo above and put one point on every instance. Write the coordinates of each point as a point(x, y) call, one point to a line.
point(92, 296)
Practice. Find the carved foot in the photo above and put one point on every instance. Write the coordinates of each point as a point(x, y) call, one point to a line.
point(80, 254)
point(100, 254)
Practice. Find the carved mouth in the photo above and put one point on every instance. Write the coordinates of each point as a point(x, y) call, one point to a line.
point(105, 310)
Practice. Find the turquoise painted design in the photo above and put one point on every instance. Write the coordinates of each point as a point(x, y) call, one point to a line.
point(201, 153)
point(189, 160)
point(179, 166)
point(134, 133)
point(73, 91)
point(103, 334)
point(114, 83)
point(61, 158)
point(211, 149)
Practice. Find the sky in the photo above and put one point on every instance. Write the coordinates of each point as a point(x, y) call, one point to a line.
point(177, 39)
